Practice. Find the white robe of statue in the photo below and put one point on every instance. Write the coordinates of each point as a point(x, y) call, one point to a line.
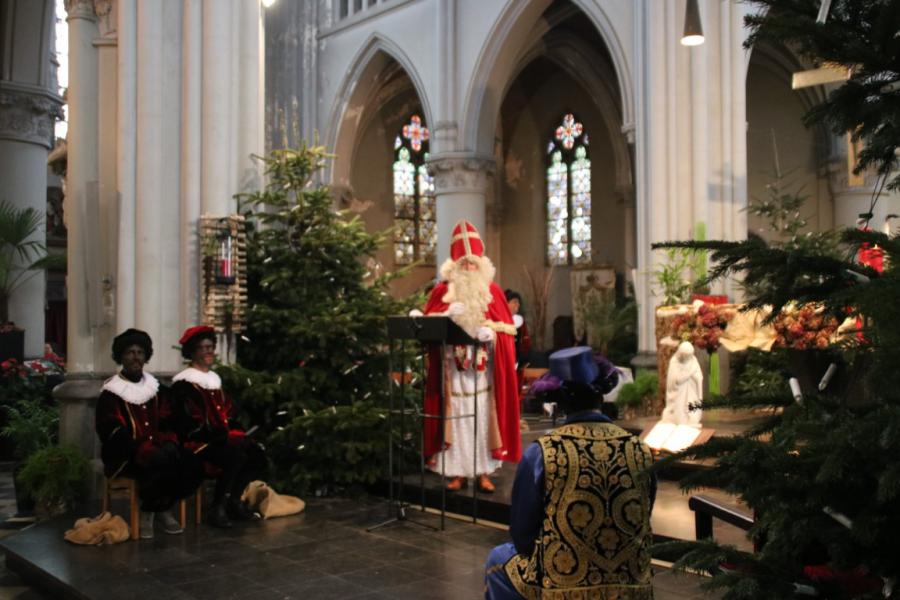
point(684, 388)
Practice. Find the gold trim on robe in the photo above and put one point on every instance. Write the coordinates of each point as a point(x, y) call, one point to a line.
point(595, 538)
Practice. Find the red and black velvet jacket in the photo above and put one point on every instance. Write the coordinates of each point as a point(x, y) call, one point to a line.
point(207, 414)
point(133, 420)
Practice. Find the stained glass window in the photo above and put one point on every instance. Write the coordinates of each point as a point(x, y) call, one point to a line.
point(569, 195)
point(415, 233)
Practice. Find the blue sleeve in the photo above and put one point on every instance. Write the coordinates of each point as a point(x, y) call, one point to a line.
point(527, 510)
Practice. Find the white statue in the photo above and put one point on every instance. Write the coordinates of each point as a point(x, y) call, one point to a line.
point(684, 388)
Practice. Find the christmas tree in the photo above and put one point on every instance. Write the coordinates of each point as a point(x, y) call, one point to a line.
point(312, 363)
point(821, 473)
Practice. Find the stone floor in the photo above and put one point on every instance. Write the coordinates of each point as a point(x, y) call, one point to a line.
point(323, 553)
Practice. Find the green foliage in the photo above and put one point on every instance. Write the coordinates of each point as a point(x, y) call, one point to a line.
point(835, 451)
point(612, 325)
point(20, 255)
point(635, 393)
point(31, 425)
point(55, 477)
point(763, 375)
point(782, 208)
point(355, 443)
point(313, 359)
point(28, 413)
point(671, 277)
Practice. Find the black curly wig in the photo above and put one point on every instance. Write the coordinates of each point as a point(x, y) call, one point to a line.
point(131, 337)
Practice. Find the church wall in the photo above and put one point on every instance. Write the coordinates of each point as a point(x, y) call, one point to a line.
point(421, 31)
point(372, 183)
point(407, 30)
point(774, 109)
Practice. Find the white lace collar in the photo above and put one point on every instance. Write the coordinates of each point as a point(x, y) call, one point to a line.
point(208, 380)
point(133, 393)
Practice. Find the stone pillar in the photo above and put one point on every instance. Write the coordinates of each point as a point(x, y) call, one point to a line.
point(29, 106)
point(105, 213)
point(690, 136)
point(81, 181)
point(191, 157)
point(27, 115)
point(126, 167)
point(461, 184)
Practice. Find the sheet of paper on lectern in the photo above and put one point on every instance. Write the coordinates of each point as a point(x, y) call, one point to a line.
point(671, 437)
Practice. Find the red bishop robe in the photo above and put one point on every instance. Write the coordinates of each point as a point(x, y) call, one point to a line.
point(504, 436)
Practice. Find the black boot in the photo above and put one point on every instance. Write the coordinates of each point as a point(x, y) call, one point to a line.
point(238, 511)
point(217, 516)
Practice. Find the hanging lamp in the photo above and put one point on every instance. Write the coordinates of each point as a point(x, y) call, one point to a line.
point(693, 29)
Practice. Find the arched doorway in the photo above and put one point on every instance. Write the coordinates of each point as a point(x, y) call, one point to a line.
point(379, 172)
point(778, 140)
point(564, 192)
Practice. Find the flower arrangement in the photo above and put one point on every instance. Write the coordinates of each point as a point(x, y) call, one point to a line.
point(704, 326)
point(804, 327)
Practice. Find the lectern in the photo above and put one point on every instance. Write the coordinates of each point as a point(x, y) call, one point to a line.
point(429, 331)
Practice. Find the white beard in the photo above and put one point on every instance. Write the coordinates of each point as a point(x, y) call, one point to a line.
point(472, 288)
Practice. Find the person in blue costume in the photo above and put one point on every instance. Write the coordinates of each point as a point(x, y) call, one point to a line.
point(581, 501)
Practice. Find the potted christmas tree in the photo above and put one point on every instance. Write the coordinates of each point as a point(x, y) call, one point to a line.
point(313, 355)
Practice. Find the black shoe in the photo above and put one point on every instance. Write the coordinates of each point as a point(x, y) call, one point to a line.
point(238, 511)
point(217, 516)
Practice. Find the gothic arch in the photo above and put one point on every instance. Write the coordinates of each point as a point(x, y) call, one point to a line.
point(579, 60)
point(499, 58)
point(365, 76)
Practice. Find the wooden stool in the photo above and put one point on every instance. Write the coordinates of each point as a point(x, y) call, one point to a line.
point(198, 507)
point(129, 486)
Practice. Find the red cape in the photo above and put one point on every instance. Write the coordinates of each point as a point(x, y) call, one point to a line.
point(504, 384)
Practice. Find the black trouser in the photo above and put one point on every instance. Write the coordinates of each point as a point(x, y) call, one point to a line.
point(240, 464)
point(173, 473)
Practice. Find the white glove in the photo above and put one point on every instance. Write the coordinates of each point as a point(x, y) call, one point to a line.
point(485, 334)
point(416, 313)
point(456, 309)
point(518, 321)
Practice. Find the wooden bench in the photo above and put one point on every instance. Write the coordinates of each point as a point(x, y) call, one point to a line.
point(706, 509)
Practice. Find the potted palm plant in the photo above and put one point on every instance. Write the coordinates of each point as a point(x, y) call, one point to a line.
point(21, 257)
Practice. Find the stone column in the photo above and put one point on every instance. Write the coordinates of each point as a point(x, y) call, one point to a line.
point(126, 167)
point(690, 136)
point(29, 106)
point(105, 213)
point(461, 184)
point(217, 81)
point(81, 180)
point(27, 115)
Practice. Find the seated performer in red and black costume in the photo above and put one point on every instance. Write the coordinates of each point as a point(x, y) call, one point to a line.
point(135, 423)
point(209, 427)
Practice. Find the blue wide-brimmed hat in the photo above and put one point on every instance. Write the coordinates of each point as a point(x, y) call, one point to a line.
point(575, 364)
point(580, 371)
